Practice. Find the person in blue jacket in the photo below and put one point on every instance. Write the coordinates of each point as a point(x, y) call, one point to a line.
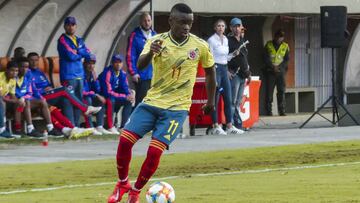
point(72, 50)
point(115, 88)
point(136, 43)
point(92, 96)
point(55, 96)
point(25, 89)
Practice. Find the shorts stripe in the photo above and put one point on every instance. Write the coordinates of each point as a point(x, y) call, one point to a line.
point(158, 144)
point(130, 136)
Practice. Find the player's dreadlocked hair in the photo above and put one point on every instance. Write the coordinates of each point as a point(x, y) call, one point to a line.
point(182, 8)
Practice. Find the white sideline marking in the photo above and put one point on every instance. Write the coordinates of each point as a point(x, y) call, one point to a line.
point(185, 176)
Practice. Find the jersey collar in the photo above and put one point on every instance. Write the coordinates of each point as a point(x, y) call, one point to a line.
point(176, 43)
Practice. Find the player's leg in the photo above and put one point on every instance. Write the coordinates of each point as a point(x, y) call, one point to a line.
point(110, 106)
point(43, 106)
point(56, 113)
point(3, 132)
point(126, 112)
point(88, 118)
point(17, 117)
point(56, 97)
point(78, 92)
point(31, 131)
point(141, 121)
point(100, 116)
point(58, 125)
point(167, 126)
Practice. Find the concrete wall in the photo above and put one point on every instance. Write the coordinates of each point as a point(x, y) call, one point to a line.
point(258, 6)
point(37, 24)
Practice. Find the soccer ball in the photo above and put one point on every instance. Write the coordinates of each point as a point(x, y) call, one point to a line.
point(160, 192)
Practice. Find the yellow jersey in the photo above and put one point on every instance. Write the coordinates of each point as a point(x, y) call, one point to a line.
point(6, 86)
point(174, 70)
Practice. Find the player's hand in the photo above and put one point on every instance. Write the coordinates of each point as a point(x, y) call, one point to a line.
point(135, 78)
point(248, 77)
point(48, 88)
point(131, 98)
point(155, 47)
point(208, 108)
point(230, 75)
point(101, 98)
point(235, 53)
point(21, 102)
point(276, 69)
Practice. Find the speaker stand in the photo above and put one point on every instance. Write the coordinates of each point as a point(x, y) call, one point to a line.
point(335, 102)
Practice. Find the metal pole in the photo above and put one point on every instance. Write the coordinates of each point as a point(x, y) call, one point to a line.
point(152, 14)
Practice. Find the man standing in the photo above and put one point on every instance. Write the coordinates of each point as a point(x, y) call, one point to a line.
point(238, 67)
point(137, 39)
point(18, 53)
point(175, 56)
point(276, 64)
point(71, 50)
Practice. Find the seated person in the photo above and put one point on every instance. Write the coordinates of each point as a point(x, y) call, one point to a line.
point(25, 90)
point(55, 97)
point(115, 88)
point(7, 94)
point(91, 94)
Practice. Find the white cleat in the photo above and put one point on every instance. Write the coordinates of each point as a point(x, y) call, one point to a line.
point(113, 130)
point(92, 110)
point(181, 136)
point(234, 131)
point(103, 131)
point(96, 133)
point(80, 132)
point(217, 131)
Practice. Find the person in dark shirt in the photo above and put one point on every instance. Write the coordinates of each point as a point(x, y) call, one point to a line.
point(276, 63)
point(238, 67)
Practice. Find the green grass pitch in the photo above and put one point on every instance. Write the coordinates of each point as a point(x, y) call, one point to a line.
point(323, 184)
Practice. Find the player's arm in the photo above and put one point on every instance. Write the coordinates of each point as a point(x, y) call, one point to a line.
point(145, 58)
point(210, 80)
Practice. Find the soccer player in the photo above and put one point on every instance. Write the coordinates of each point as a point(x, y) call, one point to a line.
point(65, 126)
point(115, 88)
point(175, 56)
point(55, 96)
point(7, 90)
point(26, 89)
point(91, 92)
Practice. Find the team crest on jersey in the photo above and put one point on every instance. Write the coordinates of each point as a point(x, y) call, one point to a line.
point(193, 54)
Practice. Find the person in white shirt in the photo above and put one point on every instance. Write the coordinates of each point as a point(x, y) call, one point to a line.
point(219, 48)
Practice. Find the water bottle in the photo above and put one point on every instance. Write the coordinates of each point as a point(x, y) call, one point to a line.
point(45, 141)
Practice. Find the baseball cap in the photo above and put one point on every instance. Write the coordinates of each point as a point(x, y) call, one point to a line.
point(70, 20)
point(235, 21)
point(117, 57)
point(90, 57)
point(279, 33)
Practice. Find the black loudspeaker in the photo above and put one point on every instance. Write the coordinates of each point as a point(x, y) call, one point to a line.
point(333, 26)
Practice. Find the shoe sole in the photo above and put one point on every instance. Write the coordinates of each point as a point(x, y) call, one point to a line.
point(35, 138)
point(56, 136)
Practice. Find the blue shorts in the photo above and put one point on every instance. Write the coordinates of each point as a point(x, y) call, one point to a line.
point(165, 124)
